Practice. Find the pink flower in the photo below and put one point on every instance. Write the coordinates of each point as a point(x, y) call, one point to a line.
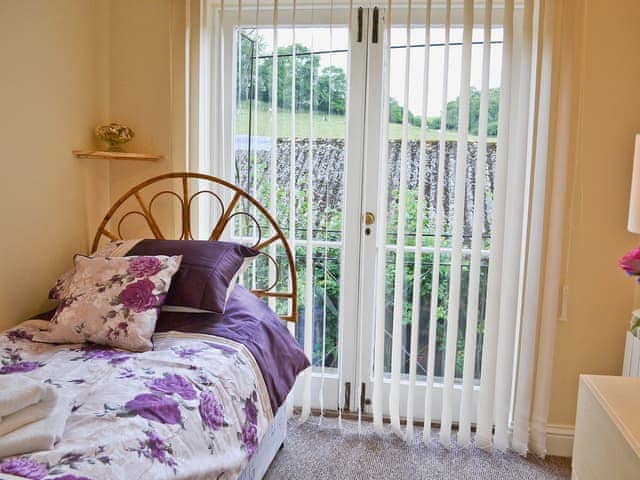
point(144, 266)
point(157, 408)
point(170, 383)
point(630, 263)
point(19, 367)
point(18, 333)
point(138, 297)
point(211, 411)
point(24, 467)
point(250, 438)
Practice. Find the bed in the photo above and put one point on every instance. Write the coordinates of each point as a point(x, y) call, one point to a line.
point(209, 400)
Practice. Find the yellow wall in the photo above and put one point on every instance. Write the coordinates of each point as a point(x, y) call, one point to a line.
point(608, 116)
point(51, 85)
point(140, 84)
point(144, 93)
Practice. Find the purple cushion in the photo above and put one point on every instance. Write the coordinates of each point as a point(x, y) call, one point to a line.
point(207, 271)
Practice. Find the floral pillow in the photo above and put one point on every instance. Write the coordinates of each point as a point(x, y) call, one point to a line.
point(112, 301)
point(117, 248)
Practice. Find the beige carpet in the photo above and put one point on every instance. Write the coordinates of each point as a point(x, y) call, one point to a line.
point(313, 452)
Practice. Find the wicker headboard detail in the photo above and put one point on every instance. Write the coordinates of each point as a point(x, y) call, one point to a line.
point(229, 202)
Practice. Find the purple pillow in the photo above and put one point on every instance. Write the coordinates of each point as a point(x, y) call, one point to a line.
point(207, 273)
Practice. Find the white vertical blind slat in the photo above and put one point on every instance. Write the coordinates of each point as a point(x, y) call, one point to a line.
point(484, 424)
point(243, 221)
point(458, 229)
point(464, 425)
point(524, 390)
point(398, 298)
point(378, 367)
point(221, 85)
point(292, 174)
point(254, 180)
point(273, 164)
point(292, 157)
point(510, 294)
point(341, 303)
point(308, 311)
point(435, 272)
point(417, 263)
point(326, 250)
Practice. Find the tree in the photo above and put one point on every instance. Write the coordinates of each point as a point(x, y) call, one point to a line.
point(249, 48)
point(331, 91)
point(453, 108)
point(396, 111)
point(307, 65)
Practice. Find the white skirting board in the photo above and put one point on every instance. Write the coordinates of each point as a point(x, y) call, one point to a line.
point(631, 364)
point(560, 440)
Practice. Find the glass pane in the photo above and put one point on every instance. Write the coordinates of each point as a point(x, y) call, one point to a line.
point(318, 115)
point(432, 151)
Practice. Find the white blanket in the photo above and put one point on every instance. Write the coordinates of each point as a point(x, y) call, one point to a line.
point(51, 415)
point(193, 408)
point(30, 414)
point(18, 393)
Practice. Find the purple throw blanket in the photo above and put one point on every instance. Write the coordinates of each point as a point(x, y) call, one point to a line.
point(250, 321)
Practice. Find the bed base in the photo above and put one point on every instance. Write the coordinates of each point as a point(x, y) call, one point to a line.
point(269, 447)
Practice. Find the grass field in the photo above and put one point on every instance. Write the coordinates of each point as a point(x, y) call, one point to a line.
point(331, 126)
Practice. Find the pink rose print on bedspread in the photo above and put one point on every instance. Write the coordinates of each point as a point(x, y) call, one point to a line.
point(171, 383)
point(156, 449)
point(19, 367)
point(222, 347)
point(185, 352)
point(157, 408)
point(74, 461)
point(12, 363)
point(138, 297)
point(250, 438)
point(144, 267)
point(93, 351)
point(24, 467)
point(249, 435)
point(211, 412)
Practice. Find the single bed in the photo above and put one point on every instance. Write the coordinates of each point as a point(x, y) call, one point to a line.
point(209, 401)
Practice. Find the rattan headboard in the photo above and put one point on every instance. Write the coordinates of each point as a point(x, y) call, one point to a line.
point(229, 201)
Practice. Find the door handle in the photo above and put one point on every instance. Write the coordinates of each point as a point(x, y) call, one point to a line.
point(376, 21)
point(369, 218)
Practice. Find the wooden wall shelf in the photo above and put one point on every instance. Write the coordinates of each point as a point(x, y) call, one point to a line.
point(149, 157)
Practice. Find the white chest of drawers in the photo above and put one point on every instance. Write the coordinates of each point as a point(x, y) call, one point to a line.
point(607, 435)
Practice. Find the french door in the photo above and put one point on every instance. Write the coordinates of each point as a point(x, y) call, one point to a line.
point(325, 130)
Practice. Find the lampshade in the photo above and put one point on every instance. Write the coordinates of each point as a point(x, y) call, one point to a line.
point(634, 201)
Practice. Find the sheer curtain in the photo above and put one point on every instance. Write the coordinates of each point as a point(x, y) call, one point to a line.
point(490, 275)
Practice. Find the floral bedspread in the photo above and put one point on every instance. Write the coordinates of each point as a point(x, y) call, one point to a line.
point(194, 407)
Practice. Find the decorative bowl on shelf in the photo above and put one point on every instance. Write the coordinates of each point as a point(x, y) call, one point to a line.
point(115, 135)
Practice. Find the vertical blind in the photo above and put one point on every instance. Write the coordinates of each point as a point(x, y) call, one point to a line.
point(515, 244)
point(450, 233)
